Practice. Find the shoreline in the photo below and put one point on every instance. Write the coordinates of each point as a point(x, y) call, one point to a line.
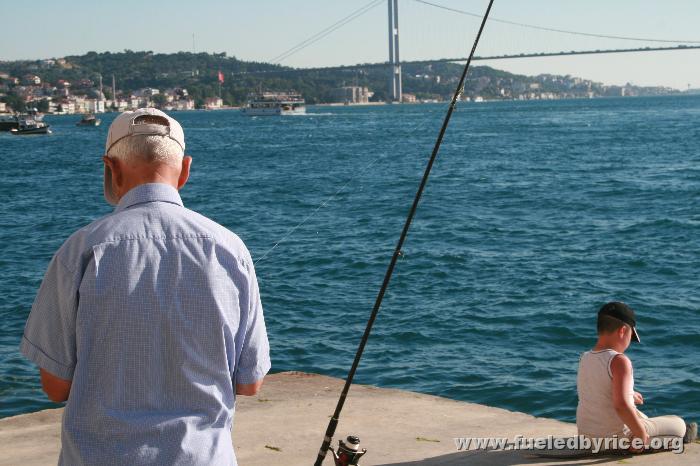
point(382, 103)
point(285, 422)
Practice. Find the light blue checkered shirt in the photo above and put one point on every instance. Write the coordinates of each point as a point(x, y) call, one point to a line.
point(154, 313)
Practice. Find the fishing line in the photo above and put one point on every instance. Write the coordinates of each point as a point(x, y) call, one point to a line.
point(330, 431)
point(319, 207)
point(414, 129)
point(321, 34)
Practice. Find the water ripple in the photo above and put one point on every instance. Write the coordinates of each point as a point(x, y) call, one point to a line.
point(536, 213)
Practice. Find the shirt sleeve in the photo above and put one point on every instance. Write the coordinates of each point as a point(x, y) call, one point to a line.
point(49, 335)
point(254, 360)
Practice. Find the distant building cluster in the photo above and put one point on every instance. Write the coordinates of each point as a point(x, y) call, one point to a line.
point(352, 95)
point(551, 87)
point(427, 85)
point(85, 96)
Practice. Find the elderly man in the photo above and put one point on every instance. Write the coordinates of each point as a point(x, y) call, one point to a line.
point(148, 320)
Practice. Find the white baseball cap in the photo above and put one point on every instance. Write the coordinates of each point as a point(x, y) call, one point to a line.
point(132, 123)
point(139, 122)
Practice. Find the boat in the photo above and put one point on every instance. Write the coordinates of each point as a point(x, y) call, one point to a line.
point(30, 126)
point(89, 119)
point(275, 103)
point(8, 121)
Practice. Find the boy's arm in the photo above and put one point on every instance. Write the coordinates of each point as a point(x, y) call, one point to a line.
point(622, 387)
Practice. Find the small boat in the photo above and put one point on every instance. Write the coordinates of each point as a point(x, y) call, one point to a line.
point(275, 103)
point(30, 126)
point(89, 120)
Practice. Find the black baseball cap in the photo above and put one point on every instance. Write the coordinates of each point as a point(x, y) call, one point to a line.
point(623, 312)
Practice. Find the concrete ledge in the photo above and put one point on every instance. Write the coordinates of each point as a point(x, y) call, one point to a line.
point(285, 423)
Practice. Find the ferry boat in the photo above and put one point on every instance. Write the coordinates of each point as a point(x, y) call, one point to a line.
point(275, 103)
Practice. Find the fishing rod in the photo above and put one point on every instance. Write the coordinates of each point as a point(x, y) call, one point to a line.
point(349, 455)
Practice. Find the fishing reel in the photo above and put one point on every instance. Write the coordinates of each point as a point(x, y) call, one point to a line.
point(348, 453)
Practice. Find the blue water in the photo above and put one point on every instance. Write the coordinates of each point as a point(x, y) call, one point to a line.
point(536, 213)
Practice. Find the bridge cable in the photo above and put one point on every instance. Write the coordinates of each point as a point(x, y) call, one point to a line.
point(563, 31)
point(323, 33)
point(330, 431)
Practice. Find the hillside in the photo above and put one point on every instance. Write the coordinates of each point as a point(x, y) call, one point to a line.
point(199, 73)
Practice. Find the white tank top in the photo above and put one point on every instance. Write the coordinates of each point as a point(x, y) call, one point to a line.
point(595, 414)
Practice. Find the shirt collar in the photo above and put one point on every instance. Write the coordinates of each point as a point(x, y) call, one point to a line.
point(150, 192)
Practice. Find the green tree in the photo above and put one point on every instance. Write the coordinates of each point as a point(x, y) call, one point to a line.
point(42, 105)
point(15, 102)
point(159, 100)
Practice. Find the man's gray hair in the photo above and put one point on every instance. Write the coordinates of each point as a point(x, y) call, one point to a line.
point(147, 148)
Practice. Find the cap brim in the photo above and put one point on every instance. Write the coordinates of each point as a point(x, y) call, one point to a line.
point(635, 335)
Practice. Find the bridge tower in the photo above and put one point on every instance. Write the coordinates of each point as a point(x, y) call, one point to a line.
point(394, 63)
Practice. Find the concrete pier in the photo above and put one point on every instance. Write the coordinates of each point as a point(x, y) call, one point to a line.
point(284, 425)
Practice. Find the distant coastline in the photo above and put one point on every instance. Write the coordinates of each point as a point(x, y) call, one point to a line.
point(99, 82)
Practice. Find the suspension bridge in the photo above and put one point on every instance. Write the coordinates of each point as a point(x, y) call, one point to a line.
point(394, 63)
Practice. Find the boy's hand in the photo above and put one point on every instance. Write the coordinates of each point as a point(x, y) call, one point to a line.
point(638, 399)
point(635, 442)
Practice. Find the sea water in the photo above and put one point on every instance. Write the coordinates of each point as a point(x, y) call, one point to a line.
point(536, 213)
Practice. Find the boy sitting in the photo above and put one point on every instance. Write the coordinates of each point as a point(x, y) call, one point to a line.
point(606, 406)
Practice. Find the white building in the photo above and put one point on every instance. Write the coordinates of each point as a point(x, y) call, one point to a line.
point(95, 106)
point(213, 103)
point(182, 104)
point(32, 79)
point(121, 105)
point(80, 105)
point(67, 107)
point(147, 92)
point(352, 95)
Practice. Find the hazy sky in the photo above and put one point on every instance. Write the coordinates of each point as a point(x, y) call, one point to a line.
point(260, 30)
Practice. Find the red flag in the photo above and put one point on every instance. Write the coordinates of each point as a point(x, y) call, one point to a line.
point(221, 77)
